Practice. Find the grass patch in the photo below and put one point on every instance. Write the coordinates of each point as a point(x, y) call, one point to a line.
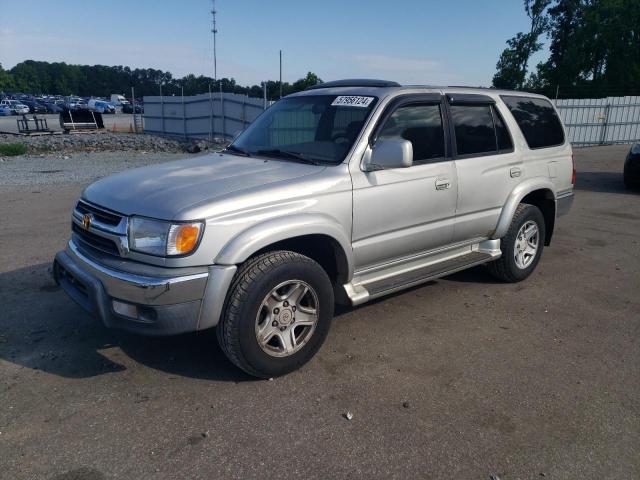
point(12, 149)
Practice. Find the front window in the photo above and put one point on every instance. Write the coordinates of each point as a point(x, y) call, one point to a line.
point(422, 126)
point(317, 129)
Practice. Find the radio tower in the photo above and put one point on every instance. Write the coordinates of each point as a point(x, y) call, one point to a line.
point(214, 30)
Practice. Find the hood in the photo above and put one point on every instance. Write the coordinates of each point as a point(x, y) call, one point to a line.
point(163, 191)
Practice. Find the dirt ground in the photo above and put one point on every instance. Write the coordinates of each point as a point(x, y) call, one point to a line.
point(461, 378)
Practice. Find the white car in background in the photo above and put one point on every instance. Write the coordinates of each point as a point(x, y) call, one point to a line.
point(16, 107)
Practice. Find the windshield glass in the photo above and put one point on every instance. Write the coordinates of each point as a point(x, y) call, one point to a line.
point(318, 128)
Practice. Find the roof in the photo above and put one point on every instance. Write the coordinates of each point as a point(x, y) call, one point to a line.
point(380, 88)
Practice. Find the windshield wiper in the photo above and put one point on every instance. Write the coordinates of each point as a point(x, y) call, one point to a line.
point(237, 150)
point(276, 152)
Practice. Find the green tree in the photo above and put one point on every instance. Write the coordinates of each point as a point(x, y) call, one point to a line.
point(310, 80)
point(513, 62)
point(6, 80)
point(59, 78)
point(594, 48)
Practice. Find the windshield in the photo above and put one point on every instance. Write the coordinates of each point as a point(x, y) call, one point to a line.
point(318, 129)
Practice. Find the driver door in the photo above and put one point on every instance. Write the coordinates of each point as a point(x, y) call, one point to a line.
point(403, 212)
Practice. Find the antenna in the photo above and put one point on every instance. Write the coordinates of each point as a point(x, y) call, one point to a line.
point(214, 30)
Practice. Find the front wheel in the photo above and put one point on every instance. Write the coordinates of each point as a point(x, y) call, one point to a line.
point(521, 246)
point(277, 313)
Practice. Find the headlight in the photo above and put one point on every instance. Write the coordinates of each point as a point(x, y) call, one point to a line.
point(160, 238)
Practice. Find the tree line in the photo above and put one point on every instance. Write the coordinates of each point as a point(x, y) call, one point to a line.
point(59, 78)
point(594, 49)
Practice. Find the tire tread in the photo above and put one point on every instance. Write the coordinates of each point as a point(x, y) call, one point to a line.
point(501, 268)
point(250, 272)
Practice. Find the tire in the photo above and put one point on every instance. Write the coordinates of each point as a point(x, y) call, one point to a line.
point(519, 259)
point(250, 313)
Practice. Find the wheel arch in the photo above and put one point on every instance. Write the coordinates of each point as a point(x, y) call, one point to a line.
point(317, 236)
point(538, 192)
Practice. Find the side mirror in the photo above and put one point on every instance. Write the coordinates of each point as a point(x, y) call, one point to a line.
point(391, 153)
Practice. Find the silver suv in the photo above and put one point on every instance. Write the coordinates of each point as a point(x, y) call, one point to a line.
point(345, 192)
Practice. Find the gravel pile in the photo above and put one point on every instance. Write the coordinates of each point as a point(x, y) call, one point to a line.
point(107, 141)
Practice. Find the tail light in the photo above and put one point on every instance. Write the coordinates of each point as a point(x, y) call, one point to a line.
point(573, 174)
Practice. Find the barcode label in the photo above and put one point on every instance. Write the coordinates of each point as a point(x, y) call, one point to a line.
point(351, 101)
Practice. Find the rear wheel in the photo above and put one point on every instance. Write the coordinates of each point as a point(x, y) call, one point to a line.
point(277, 314)
point(522, 245)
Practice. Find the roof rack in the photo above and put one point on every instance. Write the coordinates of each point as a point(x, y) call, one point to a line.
point(357, 82)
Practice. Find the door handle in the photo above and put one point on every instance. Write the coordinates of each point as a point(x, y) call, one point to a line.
point(515, 172)
point(443, 183)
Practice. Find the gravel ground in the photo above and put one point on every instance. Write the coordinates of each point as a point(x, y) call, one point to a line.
point(461, 378)
point(35, 171)
point(106, 141)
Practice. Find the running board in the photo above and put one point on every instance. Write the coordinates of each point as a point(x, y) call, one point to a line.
point(375, 283)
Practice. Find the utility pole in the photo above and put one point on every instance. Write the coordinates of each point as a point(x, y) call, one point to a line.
point(214, 30)
point(280, 73)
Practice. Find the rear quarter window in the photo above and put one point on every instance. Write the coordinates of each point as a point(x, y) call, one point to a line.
point(537, 120)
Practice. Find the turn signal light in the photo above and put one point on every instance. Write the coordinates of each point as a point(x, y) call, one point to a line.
point(183, 238)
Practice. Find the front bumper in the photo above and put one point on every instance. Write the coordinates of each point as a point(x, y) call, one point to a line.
point(166, 301)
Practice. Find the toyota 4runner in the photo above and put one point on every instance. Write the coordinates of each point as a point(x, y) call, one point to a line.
point(345, 192)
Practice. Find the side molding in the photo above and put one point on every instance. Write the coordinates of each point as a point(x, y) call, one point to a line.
point(515, 197)
point(245, 244)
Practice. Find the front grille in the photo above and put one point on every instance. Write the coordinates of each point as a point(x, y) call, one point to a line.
point(95, 241)
point(104, 216)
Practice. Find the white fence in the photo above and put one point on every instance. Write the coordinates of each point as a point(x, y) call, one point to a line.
point(205, 116)
point(588, 121)
point(601, 121)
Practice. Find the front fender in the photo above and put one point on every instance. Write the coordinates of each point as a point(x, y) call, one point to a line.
point(261, 235)
point(514, 199)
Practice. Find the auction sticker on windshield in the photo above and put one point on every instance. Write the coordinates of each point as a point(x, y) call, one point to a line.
point(352, 101)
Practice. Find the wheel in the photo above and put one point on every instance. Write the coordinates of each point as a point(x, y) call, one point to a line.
point(522, 245)
point(277, 313)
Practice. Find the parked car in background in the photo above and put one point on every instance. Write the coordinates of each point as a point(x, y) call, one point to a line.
point(34, 106)
point(118, 100)
point(76, 104)
point(17, 108)
point(631, 174)
point(128, 108)
point(52, 107)
point(101, 106)
point(5, 110)
point(370, 189)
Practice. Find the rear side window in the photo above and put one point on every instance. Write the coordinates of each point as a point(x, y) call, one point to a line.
point(537, 120)
point(422, 126)
point(473, 125)
point(479, 130)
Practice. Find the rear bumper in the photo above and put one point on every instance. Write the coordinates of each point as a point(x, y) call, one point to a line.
point(158, 302)
point(632, 172)
point(563, 203)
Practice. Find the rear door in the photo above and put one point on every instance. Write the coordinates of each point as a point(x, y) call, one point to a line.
point(488, 168)
point(549, 154)
point(405, 211)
